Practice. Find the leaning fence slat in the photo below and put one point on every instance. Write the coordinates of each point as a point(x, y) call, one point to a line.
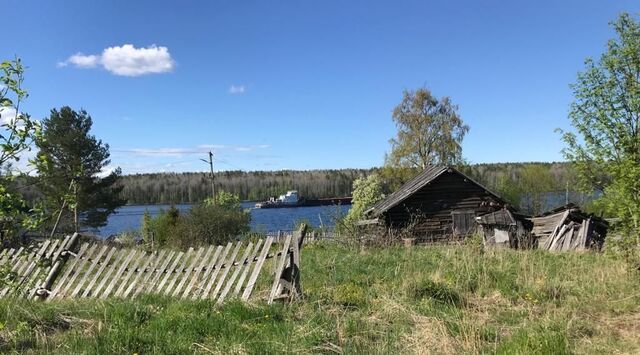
point(22, 264)
point(158, 274)
point(233, 277)
point(92, 265)
point(246, 267)
point(178, 271)
point(147, 259)
point(6, 255)
point(116, 277)
point(70, 268)
point(279, 267)
point(154, 271)
point(228, 266)
point(185, 277)
point(36, 265)
point(105, 262)
point(117, 260)
point(169, 272)
point(209, 283)
point(130, 271)
point(256, 270)
point(52, 256)
point(202, 269)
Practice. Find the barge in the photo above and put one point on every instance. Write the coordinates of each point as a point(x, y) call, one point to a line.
point(291, 199)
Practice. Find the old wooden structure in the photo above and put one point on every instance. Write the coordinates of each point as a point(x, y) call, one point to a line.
point(569, 228)
point(57, 269)
point(504, 228)
point(440, 204)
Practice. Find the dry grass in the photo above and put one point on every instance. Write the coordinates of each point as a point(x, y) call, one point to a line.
point(442, 299)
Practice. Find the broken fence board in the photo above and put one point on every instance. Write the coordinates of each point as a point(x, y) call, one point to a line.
point(225, 272)
point(279, 268)
point(256, 270)
point(246, 267)
point(209, 283)
point(70, 268)
point(236, 272)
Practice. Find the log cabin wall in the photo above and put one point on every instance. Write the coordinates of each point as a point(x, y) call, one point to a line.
point(434, 204)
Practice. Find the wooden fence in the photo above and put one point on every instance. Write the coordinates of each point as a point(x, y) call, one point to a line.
point(59, 269)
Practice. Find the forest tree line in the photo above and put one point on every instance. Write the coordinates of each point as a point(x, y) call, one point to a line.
point(523, 184)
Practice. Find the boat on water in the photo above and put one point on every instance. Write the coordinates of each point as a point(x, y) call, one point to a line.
point(292, 199)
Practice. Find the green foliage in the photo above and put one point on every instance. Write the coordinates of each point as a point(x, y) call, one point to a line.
point(430, 131)
point(70, 161)
point(606, 116)
point(366, 193)
point(17, 132)
point(225, 200)
point(206, 223)
point(536, 181)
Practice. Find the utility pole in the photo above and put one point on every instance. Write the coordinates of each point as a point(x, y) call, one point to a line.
point(213, 188)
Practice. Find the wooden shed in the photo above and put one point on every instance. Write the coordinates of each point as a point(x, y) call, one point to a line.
point(439, 204)
point(504, 228)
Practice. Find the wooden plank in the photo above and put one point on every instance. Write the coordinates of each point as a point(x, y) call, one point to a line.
point(158, 274)
point(169, 272)
point(7, 255)
point(21, 265)
point(147, 282)
point(279, 267)
point(87, 274)
point(256, 270)
point(228, 266)
point(141, 271)
point(246, 267)
point(117, 259)
point(197, 258)
point(179, 271)
point(236, 272)
point(52, 256)
point(71, 268)
point(201, 268)
point(104, 264)
point(140, 258)
point(208, 283)
point(116, 277)
point(63, 246)
point(37, 265)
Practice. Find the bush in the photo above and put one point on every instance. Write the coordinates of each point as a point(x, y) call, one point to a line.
point(207, 223)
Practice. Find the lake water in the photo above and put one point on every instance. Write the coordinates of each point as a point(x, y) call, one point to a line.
point(129, 218)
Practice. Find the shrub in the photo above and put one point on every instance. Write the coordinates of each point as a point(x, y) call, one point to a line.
point(207, 223)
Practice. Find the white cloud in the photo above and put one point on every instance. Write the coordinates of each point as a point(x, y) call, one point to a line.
point(7, 115)
point(237, 89)
point(126, 60)
point(81, 61)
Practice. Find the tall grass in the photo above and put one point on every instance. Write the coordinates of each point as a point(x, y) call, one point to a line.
point(442, 299)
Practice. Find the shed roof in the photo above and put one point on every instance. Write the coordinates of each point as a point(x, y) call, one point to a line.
point(501, 217)
point(414, 185)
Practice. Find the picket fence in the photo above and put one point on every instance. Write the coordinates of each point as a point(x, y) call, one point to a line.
point(59, 269)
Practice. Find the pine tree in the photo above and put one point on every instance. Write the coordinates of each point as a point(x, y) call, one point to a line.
point(70, 163)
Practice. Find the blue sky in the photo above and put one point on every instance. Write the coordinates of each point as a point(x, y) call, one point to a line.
point(303, 84)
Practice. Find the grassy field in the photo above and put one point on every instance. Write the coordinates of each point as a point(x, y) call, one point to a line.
point(443, 299)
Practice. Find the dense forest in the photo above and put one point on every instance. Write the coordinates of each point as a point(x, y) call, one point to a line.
point(525, 184)
point(256, 185)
